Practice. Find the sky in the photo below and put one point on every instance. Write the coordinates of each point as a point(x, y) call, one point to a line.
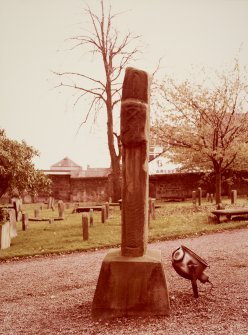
point(35, 43)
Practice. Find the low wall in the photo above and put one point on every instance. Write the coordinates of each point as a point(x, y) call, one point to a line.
point(166, 186)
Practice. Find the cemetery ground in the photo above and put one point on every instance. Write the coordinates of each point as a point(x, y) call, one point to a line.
point(172, 220)
point(48, 280)
point(53, 295)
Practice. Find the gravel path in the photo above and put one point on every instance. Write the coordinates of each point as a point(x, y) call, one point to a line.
point(53, 295)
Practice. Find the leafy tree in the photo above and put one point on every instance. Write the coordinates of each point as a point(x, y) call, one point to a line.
point(17, 172)
point(205, 126)
point(115, 52)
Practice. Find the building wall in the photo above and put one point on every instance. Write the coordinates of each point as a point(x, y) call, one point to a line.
point(167, 186)
point(89, 189)
point(66, 188)
point(173, 186)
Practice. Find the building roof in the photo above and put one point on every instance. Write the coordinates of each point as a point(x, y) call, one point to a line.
point(65, 163)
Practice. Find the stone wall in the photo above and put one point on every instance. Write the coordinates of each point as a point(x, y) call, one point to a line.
point(173, 186)
point(167, 186)
point(89, 189)
point(66, 188)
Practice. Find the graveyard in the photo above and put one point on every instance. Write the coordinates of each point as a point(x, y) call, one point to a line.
point(46, 235)
point(103, 268)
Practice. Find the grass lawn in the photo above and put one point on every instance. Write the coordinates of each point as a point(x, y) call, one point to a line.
point(173, 220)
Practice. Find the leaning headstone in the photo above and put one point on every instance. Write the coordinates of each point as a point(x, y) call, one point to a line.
point(233, 196)
point(61, 209)
point(24, 221)
point(132, 279)
point(85, 227)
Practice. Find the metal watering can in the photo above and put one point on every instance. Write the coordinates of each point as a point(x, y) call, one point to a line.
point(190, 266)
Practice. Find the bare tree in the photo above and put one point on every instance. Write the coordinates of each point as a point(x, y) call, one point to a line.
point(115, 52)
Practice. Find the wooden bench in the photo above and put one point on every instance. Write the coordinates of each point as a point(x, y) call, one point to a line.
point(229, 212)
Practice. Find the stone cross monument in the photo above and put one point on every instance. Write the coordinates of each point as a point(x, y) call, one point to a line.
point(132, 279)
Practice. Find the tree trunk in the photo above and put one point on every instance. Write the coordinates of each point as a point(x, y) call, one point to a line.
point(218, 186)
point(115, 158)
point(116, 181)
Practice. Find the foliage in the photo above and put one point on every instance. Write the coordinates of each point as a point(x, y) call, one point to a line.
point(114, 52)
point(4, 215)
point(205, 126)
point(17, 172)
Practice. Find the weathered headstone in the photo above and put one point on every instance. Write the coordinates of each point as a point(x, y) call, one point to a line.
point(152, 208)
point(103, 214)
point(61, 209)
point(233, 196)
point(12, 221)
point(107, 210)
point(132, 279)
point(199, 196)
point(50, 201)
point(24, 221)
point(85, 226)
point(211, 197)
point(17, 204)
point(91, 217)
point(207, 197)
point(5, 239)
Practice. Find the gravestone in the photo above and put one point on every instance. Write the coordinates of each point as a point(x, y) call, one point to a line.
point(85, 227)
point(103, 214)
point(132, 279)
point(17, 204)
point(152, 208)
point(61, 209)
point(50, 202)
point(107, 210)
point(233, 196)
point(24, 221)
point(12, 221)
point(199, 196)
point(91, 216)
point(5, 239)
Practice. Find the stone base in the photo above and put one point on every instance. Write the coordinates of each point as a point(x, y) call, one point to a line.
point(131, 286)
